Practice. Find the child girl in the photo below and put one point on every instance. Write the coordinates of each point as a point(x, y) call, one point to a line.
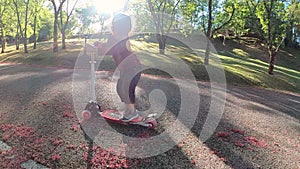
point(126, 61)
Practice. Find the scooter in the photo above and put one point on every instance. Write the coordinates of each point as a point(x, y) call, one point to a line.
point(93, 109)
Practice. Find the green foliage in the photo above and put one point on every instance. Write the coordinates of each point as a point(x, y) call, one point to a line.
point(5, 22)
point(46, 29)
point(142, 14)
point(87, 16)
point(273, 17)
point(72, 26)
point(189, 16)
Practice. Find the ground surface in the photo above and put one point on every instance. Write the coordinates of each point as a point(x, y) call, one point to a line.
point(259, 128)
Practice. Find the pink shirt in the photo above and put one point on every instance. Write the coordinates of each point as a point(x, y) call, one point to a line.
point(120, 52)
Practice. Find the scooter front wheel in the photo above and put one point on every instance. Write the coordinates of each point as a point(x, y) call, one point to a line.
point(152, 123)
point(86, 114)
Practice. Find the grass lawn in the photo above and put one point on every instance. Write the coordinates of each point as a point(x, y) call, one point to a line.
point(243, 65)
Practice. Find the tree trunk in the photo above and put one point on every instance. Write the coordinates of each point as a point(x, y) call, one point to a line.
point(25, 45)
point(207, 52)
point(102, 27)
point(23, 35)
point(25, 29)
point(208, 33)
point(63, 29)
point(2, 41)
point(272, 55)
point(17, 41)
point(34, 33)
point(63, 40)
point(161, 43)
point(55, 38)
point(3, 45)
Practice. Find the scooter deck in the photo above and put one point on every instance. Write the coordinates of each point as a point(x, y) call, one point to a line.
point(115, 116)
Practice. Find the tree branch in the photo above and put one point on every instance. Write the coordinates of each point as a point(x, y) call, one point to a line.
point(225, 23)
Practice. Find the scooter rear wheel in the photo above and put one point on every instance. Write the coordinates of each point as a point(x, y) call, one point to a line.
point(86, 114)
point(152, 123)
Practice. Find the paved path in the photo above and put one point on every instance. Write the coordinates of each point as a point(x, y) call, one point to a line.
point(259, 128)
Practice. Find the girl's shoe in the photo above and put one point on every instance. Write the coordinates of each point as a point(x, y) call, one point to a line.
point(130, 117)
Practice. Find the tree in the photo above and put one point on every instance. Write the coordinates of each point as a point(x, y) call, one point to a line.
point(36, 11)
point(20, 7)
point(213, 27)
point(209, 16)
point(141, 12)
point(190, 11)
point(271, 13)
point(101, 19)
point(57, 8)
point(163, 14)
point(65, 19)
point(208, 33)
point(291, 21)
point(4, 7)
point(46, 27)
point(87, 16)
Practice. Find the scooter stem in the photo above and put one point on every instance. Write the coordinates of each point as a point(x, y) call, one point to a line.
point(93, 62)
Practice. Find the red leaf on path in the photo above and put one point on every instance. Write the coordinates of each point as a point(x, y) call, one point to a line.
point(252, 140)
point(239, 131)
point(85, 156)
point(103, 154)
point(144, 135)
point(276, 144)
point(55, 157)
point(239, 144)
point(44, 103)
point(74, 128)
point(68, 114)
point(23, 131)
point(262, 144)
point(6, 127)
point(71, 146)
point(223, 159)
point(251, 148)
point(101, 132)
point(6, 137)
point(57, 142)
point(180, 145)
point(193, 162)
point(222, 134)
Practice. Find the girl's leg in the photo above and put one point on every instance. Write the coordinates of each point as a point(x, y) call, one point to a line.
point(129, 98)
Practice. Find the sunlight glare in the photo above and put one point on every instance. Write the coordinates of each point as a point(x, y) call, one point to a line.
point(111, 6)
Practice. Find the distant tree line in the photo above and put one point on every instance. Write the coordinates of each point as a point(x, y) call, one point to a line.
point(273, 22)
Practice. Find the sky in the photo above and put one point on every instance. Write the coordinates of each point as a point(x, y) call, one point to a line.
point(109, 6)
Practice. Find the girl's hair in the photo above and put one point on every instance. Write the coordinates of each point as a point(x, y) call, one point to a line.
point(121, 24)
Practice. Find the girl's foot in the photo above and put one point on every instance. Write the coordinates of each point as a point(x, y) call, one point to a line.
point(130, 117)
